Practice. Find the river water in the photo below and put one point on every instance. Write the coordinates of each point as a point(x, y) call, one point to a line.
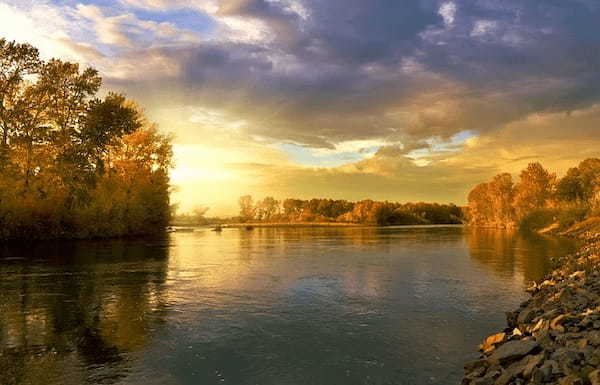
point(268, 306)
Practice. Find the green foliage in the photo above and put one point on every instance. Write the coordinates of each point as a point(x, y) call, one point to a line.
point(73, 165)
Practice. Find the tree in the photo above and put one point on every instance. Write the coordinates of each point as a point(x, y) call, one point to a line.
point(58, 139)
point(247, 209)
point(580, 183)
point(480, 206)
point(267, 208)
point(17, 61)
point(534, 189)
point(501, 195)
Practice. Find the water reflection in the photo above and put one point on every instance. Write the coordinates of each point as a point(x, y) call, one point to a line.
point(269, 306)
point(509, 253)
point(69, 309)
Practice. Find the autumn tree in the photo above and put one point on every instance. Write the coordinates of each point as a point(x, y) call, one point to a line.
point(580, 183)
point(534, 190)
point(247, 209)
point(17, 62)
point(72, 164)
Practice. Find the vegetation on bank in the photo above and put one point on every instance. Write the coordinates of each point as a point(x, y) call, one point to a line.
point(270, 210)
point(73, 165)
point(539, 200)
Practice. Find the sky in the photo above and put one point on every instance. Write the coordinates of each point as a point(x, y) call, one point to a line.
point(346, 99)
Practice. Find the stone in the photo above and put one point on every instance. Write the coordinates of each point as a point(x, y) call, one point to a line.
point(594, 337)
point(504, 378)
point(532, 363)
point(512, 350)
point(594, 377)
point(549, 368)
point(511, 318)
point(482, 381)
point(471, 366)
point(490, 342)
point(526, 315)
point(541, 325)
point(555, 324)
point(537, 376)
point(476, 373)
point(577, 275)
point(554, 337)
point(570, 380)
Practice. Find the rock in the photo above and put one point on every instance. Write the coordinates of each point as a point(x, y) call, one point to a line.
point(490, 342)
point(555, 324)
point(570, 380)
point(512, 350)
point(554, 337)
point(594, 337)
point(577, 275)
point(471, 366)
point(549, 368)
point(511, 319)
point(541, 325)
point(532, 363)
point(526, 315)
point(482, 381)
point(594, 377)
point(504, 378)
point(568, 360)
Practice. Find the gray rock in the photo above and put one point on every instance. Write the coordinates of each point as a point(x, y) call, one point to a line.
point(532, 363)
point(504, 378)
point(483, 381)
point(512, 350)
point(471, 366)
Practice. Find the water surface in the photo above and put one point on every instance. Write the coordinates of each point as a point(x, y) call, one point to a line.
point(269, 306)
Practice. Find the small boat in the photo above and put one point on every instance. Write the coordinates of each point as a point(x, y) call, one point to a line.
point(249, 227)
point(218, 228)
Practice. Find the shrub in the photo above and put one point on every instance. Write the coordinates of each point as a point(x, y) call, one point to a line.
point(538, 219)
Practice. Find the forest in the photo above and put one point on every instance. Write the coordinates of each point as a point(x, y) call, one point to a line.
point(343, 211)
point(539, 199)
point(73, 164)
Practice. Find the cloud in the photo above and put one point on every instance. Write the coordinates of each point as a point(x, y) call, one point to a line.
point(448, 12)
point(376, 90)
point(127, 30)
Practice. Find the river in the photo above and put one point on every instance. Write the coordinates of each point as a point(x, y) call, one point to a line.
point(289, 306)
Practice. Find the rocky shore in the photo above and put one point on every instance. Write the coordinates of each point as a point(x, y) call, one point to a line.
point(554, 337)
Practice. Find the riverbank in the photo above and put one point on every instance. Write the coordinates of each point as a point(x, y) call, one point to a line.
point(554, 337)
point(293, 224)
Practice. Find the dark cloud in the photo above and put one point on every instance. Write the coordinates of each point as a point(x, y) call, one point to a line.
point(353, 69)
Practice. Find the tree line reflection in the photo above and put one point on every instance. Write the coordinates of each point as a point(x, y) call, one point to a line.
point(72, 312)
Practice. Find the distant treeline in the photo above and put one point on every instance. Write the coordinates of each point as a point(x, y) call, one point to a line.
point(73, 165)
point(538, 199)
point(362, 212)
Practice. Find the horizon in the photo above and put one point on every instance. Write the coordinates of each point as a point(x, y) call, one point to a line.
point(343, 100)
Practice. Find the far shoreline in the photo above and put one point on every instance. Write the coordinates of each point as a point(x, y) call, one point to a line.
point(312, 224)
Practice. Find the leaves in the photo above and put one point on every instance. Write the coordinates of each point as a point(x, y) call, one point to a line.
point(78, 164)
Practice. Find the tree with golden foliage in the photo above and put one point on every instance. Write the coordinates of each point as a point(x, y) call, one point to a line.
point(539, 199)
point(72, 164)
